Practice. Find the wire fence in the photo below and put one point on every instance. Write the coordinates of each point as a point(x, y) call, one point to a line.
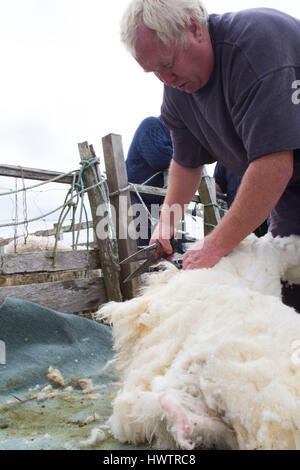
point(73, 208)
point(19, 198)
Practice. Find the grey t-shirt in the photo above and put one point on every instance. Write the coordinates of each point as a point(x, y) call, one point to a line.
point(248, 108)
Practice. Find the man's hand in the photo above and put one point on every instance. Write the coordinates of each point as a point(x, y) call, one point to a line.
point(183, 183)
point(201, 255)
point(162, 234)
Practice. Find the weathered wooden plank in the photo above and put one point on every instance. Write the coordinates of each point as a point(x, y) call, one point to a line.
point(38, 278)
point(33, 174)
point(156, 191)
point(43, 262)
point(207, 193)
point(117, 178)
point(108, 259)
point(64, 296)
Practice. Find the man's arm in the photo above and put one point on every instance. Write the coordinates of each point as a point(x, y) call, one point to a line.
point(183, 183)
point(155, 148)
point(262, 186)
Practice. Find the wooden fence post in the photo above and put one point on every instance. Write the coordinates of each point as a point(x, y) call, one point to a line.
point(108, 259)
point(117, 179)
point(207, 194)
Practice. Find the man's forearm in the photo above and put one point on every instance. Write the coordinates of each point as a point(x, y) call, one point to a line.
point(261, 188)
point(183, 183)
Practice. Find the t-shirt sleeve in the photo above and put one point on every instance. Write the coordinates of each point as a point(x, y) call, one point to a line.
point(187, 150)
point(264, 114)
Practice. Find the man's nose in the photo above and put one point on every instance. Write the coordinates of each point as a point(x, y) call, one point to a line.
point(166, 76)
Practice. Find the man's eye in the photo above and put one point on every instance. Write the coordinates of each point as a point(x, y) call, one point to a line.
point(167, 65)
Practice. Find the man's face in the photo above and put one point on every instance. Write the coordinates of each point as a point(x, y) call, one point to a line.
point(186, 68)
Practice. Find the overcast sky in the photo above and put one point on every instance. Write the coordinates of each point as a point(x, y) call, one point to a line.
point(66, 78)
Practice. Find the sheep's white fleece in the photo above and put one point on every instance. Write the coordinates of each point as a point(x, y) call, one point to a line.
point(33, 243)
point(206, 357)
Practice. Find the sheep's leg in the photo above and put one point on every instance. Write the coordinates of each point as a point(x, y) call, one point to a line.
point(182, 424)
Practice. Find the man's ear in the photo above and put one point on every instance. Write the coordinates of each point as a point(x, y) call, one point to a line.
point(196, 29)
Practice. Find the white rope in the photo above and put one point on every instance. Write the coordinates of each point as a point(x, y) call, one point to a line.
point(120, 191)
point(55, 210)
point(151, 177)
point(153, 222)
point(132, 185)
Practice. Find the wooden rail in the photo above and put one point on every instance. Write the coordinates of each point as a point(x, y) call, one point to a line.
point(68, 296)
point(33, 174)
point(87, 293)
point(44, 175)
point(64, 296)
point(42, 261)
point(157, 191)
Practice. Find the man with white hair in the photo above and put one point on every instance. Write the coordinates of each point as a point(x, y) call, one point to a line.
point(230, 95)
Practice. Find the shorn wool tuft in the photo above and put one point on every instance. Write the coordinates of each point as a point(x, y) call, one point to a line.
point(210, 358)
point(33, 243)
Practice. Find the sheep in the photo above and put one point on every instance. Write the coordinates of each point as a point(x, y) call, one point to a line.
point(210, 358)
point(33, 243)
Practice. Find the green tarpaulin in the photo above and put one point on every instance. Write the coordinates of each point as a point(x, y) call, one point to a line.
point(32, 339)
